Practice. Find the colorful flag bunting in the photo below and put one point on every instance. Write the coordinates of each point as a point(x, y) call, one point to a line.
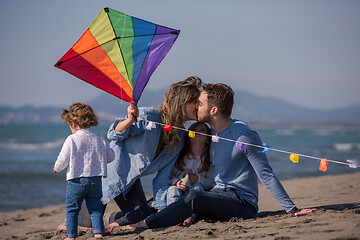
point(294, 158)
point(323, 164)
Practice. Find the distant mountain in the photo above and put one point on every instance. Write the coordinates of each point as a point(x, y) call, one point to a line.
point(29, 114)
point(249, 107)
point(109, 107)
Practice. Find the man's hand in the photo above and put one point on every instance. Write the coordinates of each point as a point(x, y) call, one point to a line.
point(303, 212)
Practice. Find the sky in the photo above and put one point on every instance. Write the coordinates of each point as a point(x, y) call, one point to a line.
point(304, 52)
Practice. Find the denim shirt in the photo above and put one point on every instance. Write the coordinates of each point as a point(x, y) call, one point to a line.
point(238, 170)
point(135, 150)
point(161, 184)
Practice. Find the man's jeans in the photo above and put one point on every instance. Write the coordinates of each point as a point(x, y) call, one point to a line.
point(78, 189)
point(217, 205)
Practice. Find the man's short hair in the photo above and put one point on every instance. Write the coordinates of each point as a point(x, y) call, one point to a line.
point(221, 96)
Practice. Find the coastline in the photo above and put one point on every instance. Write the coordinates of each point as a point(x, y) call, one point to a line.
point(336, 198)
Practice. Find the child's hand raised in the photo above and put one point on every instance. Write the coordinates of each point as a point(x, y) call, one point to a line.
point(181, 185)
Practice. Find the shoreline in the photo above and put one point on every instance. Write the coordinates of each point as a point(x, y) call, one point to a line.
point(336, 198)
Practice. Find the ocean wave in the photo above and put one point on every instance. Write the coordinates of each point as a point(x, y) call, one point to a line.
point(31, 176)
point(345, 146)
point(325, 132)
point(287, 132)
point(31, 146)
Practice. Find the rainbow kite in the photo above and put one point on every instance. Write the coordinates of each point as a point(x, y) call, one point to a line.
point(118, 53)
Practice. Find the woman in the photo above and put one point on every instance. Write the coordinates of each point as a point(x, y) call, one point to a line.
point(140, 152)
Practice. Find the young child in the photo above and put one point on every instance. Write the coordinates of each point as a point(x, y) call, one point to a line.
point(192, 170)
point(86, 155)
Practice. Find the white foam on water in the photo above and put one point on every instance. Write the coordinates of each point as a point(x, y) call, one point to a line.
point(31, 146)
point(324, 132)
point(343, 146)
point(287, 132)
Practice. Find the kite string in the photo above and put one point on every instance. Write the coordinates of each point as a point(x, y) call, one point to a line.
point(250, 144)
point(122, 34)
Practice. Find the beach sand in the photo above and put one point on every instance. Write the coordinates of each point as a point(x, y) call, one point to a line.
point(336, 198)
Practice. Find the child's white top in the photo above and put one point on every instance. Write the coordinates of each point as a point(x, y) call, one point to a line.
point(193, 164)
point(86, 153)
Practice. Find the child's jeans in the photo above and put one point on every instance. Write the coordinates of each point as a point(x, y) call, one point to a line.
point(174, 193)
point(78, 189)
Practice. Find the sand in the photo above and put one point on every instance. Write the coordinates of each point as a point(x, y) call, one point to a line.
point(336, 198)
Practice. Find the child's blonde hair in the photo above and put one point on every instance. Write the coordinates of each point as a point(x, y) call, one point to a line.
point(80, 114)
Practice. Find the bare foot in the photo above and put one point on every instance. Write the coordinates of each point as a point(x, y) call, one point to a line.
point(63, 227)
point(98, 235)
point(111, 226)
point(114, 227)
point(187, 222)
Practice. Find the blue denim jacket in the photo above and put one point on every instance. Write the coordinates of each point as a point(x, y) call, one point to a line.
point(135, 150)
point(239, 170)
point(162, 181)
point(161, 184)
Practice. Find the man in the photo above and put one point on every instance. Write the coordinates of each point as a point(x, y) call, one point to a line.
point(236, 171)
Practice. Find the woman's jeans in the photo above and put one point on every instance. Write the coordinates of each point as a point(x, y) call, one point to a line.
point(145, 210)
point(217, 205)
point(78, 189)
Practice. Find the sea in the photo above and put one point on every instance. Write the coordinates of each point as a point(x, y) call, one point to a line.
point(28, 154)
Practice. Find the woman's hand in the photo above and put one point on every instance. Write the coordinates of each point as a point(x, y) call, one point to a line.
point(181, 185)
point(133, 113)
